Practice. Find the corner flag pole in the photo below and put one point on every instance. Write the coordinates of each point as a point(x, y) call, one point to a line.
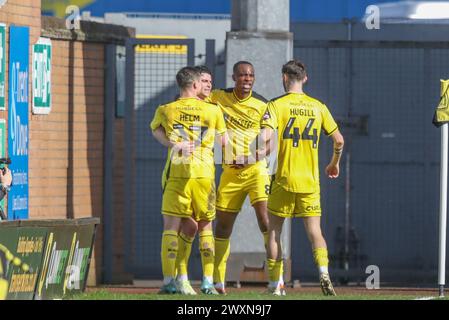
point(443, 210)
point(441, 119)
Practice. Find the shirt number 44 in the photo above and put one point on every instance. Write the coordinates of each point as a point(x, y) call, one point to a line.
point(294, 133)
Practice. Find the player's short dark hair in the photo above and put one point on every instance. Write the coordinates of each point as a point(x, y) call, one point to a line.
point(235, 68)
point(203, 69)
point(295, 70)
point(186, 76)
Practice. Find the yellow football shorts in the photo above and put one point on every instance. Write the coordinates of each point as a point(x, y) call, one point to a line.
point(287, 204)
point(189, 198)
point(236, 184)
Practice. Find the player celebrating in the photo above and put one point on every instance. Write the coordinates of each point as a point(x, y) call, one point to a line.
point(295, 190)
point(190, 128)
point(243, 110)
point(189, 226)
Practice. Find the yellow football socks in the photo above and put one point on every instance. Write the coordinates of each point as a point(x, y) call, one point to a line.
point(182, 258)
point(275, 268)
point(207, 253)
point(320, 256)
point(169, 251)
point(222, 250)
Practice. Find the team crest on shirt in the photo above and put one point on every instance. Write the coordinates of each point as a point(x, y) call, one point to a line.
point(266, 115)
point(252, 113)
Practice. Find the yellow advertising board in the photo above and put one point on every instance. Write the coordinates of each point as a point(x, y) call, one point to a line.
point(161, 48)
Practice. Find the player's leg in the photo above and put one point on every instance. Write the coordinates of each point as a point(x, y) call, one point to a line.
point(207, 250)
point(169, 248)
point(205, 214)
point(320, 253)
point(188, 230)
point(229, 202)
point(263, 222)
point(258, 187)
point(274, 254)
point(281, 205)
point(311, 212)
point(261, 210)
point(318, 243)
point(223, 231)
point(176, 204)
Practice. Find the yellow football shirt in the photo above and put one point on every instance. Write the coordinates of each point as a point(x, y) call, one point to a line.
point(243, 118)
point(299, 120)
point(190, 119)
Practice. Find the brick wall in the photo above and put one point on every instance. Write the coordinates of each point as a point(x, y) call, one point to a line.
point(66, 146)
point(79, 76)
point(23, 13)
point(66, 165)
point(19, 13)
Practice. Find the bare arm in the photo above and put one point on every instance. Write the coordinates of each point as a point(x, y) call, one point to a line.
point(160, 135)
point(333, 168)
point(267, 143)
point(185, 147)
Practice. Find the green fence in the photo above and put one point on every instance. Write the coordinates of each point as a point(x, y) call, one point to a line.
point(45, 259)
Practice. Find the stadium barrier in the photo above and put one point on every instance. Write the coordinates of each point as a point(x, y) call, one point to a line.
point(45, 259)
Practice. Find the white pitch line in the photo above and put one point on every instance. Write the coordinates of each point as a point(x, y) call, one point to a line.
point(426, 298)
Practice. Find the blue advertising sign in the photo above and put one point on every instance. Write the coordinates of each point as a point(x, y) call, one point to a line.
point(18, 121)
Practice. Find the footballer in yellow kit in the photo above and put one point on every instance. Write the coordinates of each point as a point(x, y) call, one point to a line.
point(188, 127)
point(242, 119)
point(188, 181)
point(295, 189)
point(243, 172)
point(295, 192)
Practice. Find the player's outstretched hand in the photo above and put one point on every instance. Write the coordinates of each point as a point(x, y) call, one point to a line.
point(332, 171)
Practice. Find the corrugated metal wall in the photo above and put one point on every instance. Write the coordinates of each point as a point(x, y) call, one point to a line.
point(394, 169)
point(393, 199)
